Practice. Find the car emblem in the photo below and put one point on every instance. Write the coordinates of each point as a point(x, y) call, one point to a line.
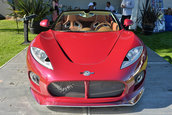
point(87, 73)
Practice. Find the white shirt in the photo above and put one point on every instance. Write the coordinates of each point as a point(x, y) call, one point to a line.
point(111, 8)
point(129, 5)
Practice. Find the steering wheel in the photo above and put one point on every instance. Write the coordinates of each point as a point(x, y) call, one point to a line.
point(104, 24)
point(94, 25)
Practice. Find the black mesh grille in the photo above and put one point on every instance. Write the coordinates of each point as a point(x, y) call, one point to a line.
point(100, 89)
point(96, 89)
point(67, 89)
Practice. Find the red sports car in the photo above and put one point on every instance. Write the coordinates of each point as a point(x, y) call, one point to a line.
point(86, 59)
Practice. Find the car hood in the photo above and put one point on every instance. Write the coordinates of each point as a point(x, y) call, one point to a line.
point(86, 48)
point(109, 68)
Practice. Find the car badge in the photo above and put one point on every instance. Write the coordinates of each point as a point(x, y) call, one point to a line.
point(87, 73)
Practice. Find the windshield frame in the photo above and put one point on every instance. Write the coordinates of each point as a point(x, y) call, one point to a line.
point(73, 12)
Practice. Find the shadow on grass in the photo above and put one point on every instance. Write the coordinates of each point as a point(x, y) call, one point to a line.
point(11, 30)
point(168, 58)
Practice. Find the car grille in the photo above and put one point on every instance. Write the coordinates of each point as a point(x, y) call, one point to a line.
point(96, 89)
point(100, 89)
point(67, 89)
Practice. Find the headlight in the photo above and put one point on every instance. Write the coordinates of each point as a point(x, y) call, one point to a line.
point(132, 56)
point(41, 57)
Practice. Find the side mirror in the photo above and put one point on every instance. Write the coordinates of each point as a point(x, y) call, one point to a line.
point(45, 23)
point(128, 22)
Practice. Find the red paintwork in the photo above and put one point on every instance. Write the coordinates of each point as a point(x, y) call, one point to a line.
point(44, 23)
point(101, 52)
point(81, 48)
point(128, 22)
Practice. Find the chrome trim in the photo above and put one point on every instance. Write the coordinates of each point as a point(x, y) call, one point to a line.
point(87, 73)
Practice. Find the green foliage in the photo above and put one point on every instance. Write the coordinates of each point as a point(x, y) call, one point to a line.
point(10, 41)
point(168, 58)
point(149, 15)
point(28, 7)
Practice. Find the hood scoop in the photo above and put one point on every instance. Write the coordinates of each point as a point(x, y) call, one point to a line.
point(86, 48)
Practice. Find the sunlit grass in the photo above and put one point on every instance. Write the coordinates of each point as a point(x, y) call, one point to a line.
point(10, 40)
point(161, 43)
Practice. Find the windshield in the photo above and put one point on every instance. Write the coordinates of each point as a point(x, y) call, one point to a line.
point(93, 21)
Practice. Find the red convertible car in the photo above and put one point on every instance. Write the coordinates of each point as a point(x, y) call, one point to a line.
point(87, 59)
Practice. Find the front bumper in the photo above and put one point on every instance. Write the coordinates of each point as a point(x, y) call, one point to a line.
point(128, 100)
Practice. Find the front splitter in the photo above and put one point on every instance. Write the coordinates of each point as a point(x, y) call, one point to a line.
point(132, 100)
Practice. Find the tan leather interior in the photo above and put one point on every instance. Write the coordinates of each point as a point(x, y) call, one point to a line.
point(86, 29)
point(58, 26)
point(72, 19)
point(79, 18)
point(101, 18)
point(102, 25)
point(115, 26)
point(104, 29)
point(74, 23)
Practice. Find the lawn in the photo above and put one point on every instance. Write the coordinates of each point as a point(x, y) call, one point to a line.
point(10, 40)
point(161, 43)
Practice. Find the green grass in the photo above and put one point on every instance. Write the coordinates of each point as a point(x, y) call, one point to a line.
point(10, 40)
point(161, 43)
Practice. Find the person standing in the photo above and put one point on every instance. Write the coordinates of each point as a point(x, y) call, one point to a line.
point(55, 9)
point(94, 5)
point(91, 6)
point(127, 6)
point(109, 7)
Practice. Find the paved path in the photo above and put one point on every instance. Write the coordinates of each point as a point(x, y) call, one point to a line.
point(16, 99)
